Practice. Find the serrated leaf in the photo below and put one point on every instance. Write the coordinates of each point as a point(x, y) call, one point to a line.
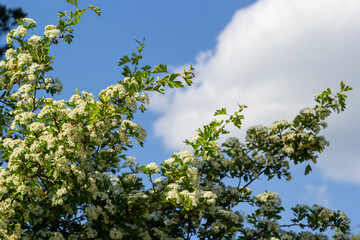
point(124, 60)
point(220, 112)
point(160, 69)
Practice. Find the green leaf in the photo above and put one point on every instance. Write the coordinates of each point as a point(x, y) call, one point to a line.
point(142, 45)
point(348, 88)
point(342, 86)
point(188, 82)
point(308, 169)
point(95, 9)
point(160, 69)
point(73, 2)
point(178, 84)
point(126, 72)
point(61, 14)
point(124, 60)
point(173, 76)
point(68, 38)
point(220, 112)
point(146, 68)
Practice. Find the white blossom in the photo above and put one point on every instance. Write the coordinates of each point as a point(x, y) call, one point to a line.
point(29, 21)
point(153, 167)
point(20, 31)
point(51, 32)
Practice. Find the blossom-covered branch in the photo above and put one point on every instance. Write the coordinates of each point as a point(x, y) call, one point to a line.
point(66, 173)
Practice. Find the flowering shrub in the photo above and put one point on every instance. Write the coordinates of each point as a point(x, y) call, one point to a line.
point(66, 175)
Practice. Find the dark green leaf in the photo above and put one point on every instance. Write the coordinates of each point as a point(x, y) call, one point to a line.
point(308, 169)
point(124, 60)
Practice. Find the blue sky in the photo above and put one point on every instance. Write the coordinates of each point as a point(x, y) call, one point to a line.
point(272, 55)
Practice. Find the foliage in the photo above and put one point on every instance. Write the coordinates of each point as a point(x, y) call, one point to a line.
point(7, 20)
point(66, 174)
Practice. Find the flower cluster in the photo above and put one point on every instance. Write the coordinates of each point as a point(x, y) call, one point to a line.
point(51, 32)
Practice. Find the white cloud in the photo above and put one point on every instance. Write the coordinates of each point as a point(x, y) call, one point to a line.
point(273, 57)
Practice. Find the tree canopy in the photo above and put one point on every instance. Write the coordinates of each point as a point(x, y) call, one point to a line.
point(66, 174)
